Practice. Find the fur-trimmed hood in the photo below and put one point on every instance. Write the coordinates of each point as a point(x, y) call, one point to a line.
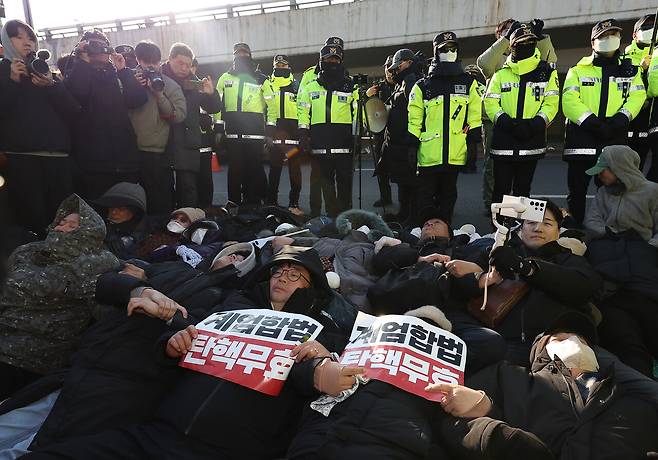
point(433, 314)
point(356, 218)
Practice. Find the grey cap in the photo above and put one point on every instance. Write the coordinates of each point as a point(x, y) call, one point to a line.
point(400, 56)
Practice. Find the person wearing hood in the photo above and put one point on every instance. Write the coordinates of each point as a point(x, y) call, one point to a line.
point(626, 207)
point(405, 72)
point(104, 141)
point(185, 138)
point(280, 94)
point(36, 113)
point(522, 99)
point(124, 209)
point(242, 122)
point(602, 94)
point(326, 112)
point(312, 72)
point(489, 62)
point(48, 297)
point(558, 281)
point(445, 114)
point(204, 417)
point(567, 405)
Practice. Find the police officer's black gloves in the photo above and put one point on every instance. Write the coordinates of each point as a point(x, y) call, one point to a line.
point(515, 25)
point(618, 123)
point(527, 129)
point(508, 262)
point(537, 28)
point(506, 123)
point(304, 141)
point(595, 126)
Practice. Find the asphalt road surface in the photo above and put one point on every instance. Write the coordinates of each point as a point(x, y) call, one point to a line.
point(550, 181)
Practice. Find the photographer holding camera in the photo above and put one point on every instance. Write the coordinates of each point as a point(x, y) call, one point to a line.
point(35, 112)
point(105, 145)
point(185, 138)
point(165, 105)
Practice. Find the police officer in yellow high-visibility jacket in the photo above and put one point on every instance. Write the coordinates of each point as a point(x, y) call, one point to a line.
point(522, 99)
point(652, 93)
point(280, 93)
point(638, 53)
point(244, 125)
point(445, 113)
point(308, 76)
point(602, 93)
point(327, 107)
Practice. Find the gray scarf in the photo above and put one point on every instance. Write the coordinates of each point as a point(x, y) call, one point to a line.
point(9, 51)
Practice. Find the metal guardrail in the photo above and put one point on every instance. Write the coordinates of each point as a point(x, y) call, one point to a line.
point(204, 14)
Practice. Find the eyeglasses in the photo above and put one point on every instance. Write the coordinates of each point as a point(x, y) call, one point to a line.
point(291, 274)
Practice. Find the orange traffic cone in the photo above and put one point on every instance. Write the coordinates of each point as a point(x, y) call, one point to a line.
point(215, 163)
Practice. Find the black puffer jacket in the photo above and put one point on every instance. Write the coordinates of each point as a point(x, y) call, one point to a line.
point(48, 112)
point(103, 137)
point(563, 282)
point(612, 424)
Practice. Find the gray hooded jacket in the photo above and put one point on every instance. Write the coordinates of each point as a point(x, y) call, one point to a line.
point(631, 206)
point(48, 296)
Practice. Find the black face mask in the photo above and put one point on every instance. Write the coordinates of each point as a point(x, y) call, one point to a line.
point(243, 64)
point(523, 51)
point(331, 72)
point(285, 73)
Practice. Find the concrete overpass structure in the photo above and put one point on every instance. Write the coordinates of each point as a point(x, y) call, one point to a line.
point(372, 29)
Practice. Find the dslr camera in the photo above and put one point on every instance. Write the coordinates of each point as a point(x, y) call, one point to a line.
point(155, 77)
point(36, 62)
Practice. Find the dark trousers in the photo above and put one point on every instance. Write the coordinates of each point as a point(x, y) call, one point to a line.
point(204, 186)
point(246, 177)
point(315, 191)
point(408, 198)
point(334, 173)
point(280, 154)
point(157, 178)
point(152, 441)
point(36, 185)
point(512, 177)
point(652, 174)
point(383, 179)
point(94, 184)
point(187, 194)
point(628, 329)
point(485, 346)
point(578, 182)
point(438, 188)
point(641, 146)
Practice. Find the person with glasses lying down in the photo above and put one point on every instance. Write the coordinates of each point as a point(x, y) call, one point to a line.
point(204, 417)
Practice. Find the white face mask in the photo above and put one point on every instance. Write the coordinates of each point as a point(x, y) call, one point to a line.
point(644, 36)
point(197, 236)
point(607, 44)
point(574, 354)
point(450, 56)
point(175, 227)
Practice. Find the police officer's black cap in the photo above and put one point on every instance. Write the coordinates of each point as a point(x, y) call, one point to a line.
point(645, 22)
point(522, 35)
point(604, 26)
point(577, 323)
point(281, 59)
point(444, 38)
point(400, 56)
point(331, 50)
point(335, 41)
point(241, 47)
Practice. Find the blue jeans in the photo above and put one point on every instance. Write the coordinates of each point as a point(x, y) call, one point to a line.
point(19, 427)
point(484, 346)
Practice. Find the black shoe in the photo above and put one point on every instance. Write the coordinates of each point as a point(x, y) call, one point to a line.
point(380, 203)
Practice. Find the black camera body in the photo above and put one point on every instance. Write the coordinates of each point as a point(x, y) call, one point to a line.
point(360, 79)
point(36, 62)
point(155, 77)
